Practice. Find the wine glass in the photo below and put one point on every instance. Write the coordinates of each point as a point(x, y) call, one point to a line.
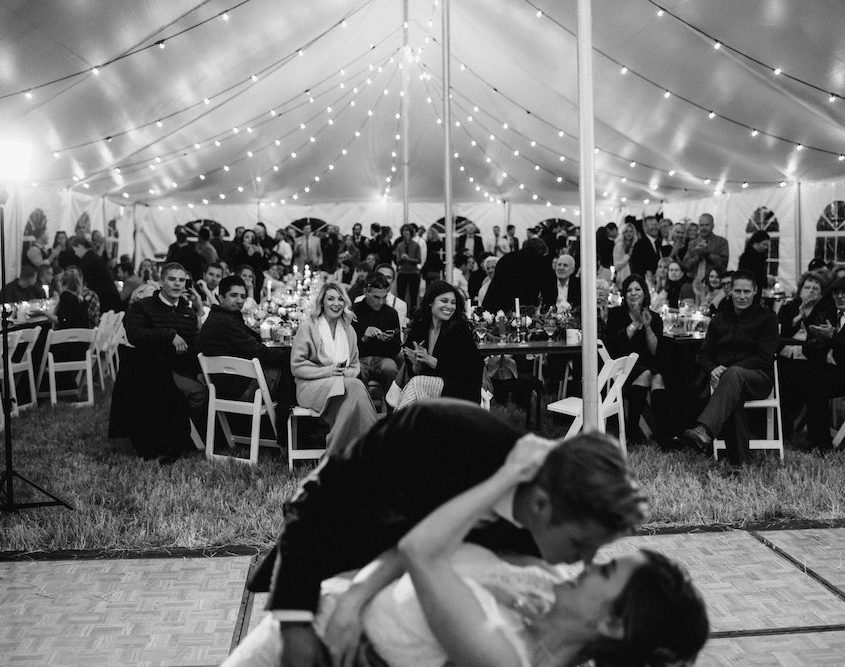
point(480, 331)
point(550, 326)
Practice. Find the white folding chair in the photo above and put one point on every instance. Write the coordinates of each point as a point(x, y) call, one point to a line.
point(105, 331)
point(83, 365)
point(294, 454)
point(774, 419)
point(26, 344)
point(260, 405)
point(611, 379)
point(117, 338)
point(14, 339)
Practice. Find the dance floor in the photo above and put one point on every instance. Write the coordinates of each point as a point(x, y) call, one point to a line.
point(774, 598)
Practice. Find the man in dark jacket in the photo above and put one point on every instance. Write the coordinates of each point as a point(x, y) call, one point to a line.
point(96, 273)
point(738, 354)
point(525, 274)
point(646, 251)
point(225, 334)
point(359, 502)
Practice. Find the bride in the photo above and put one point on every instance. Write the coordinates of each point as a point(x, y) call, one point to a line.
point(460, 604)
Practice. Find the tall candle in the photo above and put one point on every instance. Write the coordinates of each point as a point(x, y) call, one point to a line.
point(516, 306)
point(469, 308)
point(46, 289)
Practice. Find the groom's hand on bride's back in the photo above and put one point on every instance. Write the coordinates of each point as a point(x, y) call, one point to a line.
point(301, 647)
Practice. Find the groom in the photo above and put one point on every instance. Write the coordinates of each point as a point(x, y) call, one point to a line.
point(360, 501)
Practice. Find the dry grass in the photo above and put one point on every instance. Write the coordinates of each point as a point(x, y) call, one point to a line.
point(122, 502)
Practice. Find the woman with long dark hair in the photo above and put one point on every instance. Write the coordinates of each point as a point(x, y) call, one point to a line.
point(441, 358)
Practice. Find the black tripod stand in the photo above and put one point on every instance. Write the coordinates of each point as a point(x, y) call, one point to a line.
point(7, 481)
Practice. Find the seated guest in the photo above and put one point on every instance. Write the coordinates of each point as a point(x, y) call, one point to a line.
point(738, 355)
point(46, 281)
point(71, 311)
point(377, 327)
point(224, 334)
point(678, 289)
point(24, 288)
point(634, 327)
point(710, 293)
point(754, 259)
point(826, 350)
point(796, 317)
point(568, 285)
point(324, 363)
point(475, 278)
point(96, 274)
point(247, 274)
point(489, 266)
point(441, 358)
point(164, 328)
point(89, 298)
point(358, 282)
point(207, 286)
point(126, 274)
point(393, 301)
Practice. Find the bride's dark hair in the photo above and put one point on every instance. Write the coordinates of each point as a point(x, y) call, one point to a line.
point(663, 616)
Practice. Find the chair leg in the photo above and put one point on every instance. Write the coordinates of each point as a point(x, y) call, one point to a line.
point(33, 396)
point(291, 439)
point(255, 431)
point(51, 376)
point(209, 433)
point(89, 374)
point(227, 431)
point(577, 423)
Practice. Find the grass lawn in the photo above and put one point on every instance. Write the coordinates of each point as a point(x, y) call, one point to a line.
point(122, 502)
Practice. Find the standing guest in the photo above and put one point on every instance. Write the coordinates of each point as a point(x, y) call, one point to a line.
point(470, 243)
point(440, 354)
point(382, 245)
point(219, 243)
point(525, 274)
point(208, 285)
point(379, 335)
point(182, 252)
point(324, 362)
point(204, 248)
point(499, 245)
point(330, 246)
point(250, 253)
point(432, 268)
point(408, 259)
point(359, 241)
point(350, 250)
point(24, 288)
point(510, 236)
point(568, 284)
point(604, 248)
point(225, 334)
point(711, 293)
point(665, 232)
point(375, 232)
point(754, 259)
point(646, 251)
point(419, 237)
point(738, 355)
point(489, 267)
point(98, 245)
point(679, 241)
point(65, 257)
point(262, 237)
point(826, 349)
point(634, 327)
point(38, 253)
point(164, 328)
point(126, 274)
point(692, 232)
point(623, 246)
point(707, 251)
point(308, 250)
point(284, 249)
point(796, 317)
point(96, 274)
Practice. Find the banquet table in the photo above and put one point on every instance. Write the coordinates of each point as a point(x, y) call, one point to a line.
point(529, 347)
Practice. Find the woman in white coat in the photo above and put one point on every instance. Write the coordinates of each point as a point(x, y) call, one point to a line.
point(324, 364)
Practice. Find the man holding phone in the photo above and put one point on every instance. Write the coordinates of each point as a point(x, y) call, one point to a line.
point(377, 326)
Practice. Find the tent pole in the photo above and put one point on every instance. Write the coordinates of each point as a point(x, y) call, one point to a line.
point(799, 259)
point(406, 105)
point(589, 315)
point(447, 143)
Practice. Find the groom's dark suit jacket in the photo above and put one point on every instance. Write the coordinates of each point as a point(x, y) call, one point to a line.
point(361, 500)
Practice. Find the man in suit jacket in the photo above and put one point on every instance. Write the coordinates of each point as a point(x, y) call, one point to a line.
point(827, 355)
point(525, 274)
point(363, 498)
point(646, 252)
point(470, 243)
point(308, 250)
point(568, 284)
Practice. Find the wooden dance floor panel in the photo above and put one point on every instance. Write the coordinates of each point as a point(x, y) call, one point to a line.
point(774, 598)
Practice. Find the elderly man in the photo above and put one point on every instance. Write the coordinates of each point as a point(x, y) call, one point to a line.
point(164, 327)
point(738, 354)
point(708, 251)
point(225, 334)
point(568, 285)
point(377, 327)
point(489, 266)
point(825, 350)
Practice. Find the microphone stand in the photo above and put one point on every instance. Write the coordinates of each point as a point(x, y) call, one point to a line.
point(7, 486)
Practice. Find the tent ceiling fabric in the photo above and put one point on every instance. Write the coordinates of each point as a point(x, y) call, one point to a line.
point(515, 61)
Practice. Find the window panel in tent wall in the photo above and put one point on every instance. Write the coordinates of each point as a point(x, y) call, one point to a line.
point(764, 219)
point(830, 233)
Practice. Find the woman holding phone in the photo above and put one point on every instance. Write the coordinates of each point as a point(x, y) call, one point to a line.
point(324, 364)
point(440, 355)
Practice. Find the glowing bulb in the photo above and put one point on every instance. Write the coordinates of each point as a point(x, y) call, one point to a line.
point(667, 94)
point(225, 16)
point(222, 196)
point(711, 115)
point(799, 147)
point(95, 71)
point(254, 78)
point(717, 45)
point(202, 177)
point(744, 185)
point(28, 94)
point(623, 71)
point(754, 133)
point(660, 13)
point(205, 100)
point(633, 163)
point(832, 98)
point(777, 71)
point(671, 172)
point(161, 44)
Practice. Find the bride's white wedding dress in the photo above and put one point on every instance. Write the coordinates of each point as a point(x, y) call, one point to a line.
point(395, 623)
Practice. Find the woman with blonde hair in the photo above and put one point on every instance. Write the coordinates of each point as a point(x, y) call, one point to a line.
point(324, 364)
point(622, 248)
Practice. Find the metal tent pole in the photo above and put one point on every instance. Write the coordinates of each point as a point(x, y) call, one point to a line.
point(447, 142)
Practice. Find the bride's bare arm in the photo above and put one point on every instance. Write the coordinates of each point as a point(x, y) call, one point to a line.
point(452, 611)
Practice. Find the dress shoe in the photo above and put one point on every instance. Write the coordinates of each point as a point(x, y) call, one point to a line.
point(698, 438)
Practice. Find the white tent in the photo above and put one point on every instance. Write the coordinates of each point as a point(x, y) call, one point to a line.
point(289, 109)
